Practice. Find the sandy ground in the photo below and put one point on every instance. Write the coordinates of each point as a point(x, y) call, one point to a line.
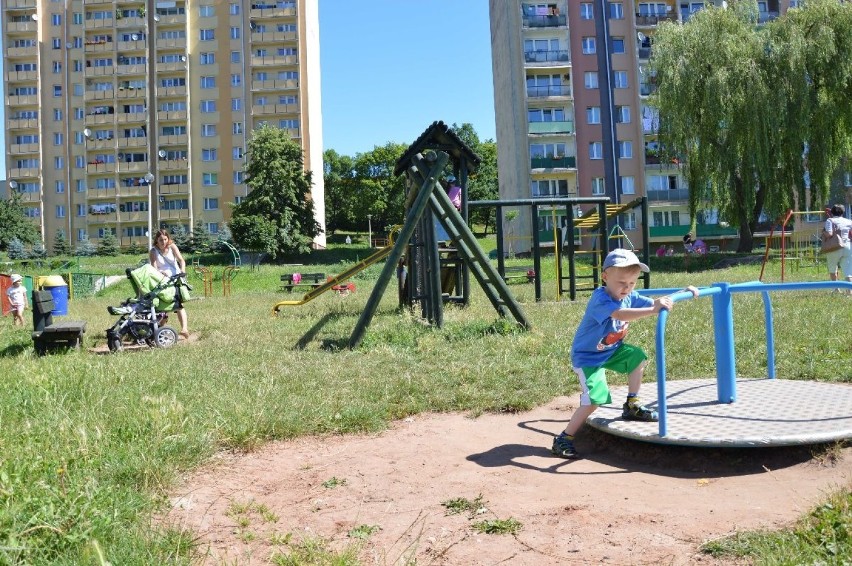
point(623, 502)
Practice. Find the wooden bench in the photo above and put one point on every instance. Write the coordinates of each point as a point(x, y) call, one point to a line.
point(519, 272)
point(305, 280)
point(48, 335)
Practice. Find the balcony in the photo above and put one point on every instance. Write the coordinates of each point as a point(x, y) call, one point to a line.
point(135, 192)
point(282, 84)
point(128, 117)
point(173, 165)
point(20, 76)
point(129, 92)
point(130, 22)
point(644, 53)
point(100, 71)
point(182, 214)
point(164, 115)
point(274, 60)
point(171, 67)
point(132, 142)
point(172, 20)
point(133, 167)
point(101, 217)
point(558, 56)
point(22, 100)
point(273, 12)
point(100, 144)
point(647, 89)
point(267, 109)
point(133, 216)
point(563, 127)
point(29, 197)
point(24, 173)
point(22, 148)
point(132, 45)
point(551, 21)
point(19, 27)
point(99, 95)
point(95, 194)
point(548, 91)
point(20, 4)
point(22, 123)
point(176, 189)
point(171, 43)
point(568, 162)
point(27, 52)
point(99, 46)
point(669, 195)
point(100, 168)
point(172, 91)
point(650, 20)
point(138, 69)
point(274, 36)
point(99, 24)
point(176, 139)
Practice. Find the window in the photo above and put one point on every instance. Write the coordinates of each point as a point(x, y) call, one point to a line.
point(237, 128)
point(234, 9)
point(81, 234)
point(211, 204)
point(587, 11)
point(57, 91)
point(208, 130)
point(60, 186)
point(57, 67)
point(593, 115)
point(81, 185)
point(616, 10)
point(208, 82)
point(237, 153)
point(590, 79)
point(210, 179)
point(206, 11)
point(622, 114)
point(625, 149)
point(58, 138)
point(208, 106)
point(59, 162)
point(236, 79)
point(60, 211)
point(57, 115)
point(206, 35)
point(596, 150)
point(56, 19)
point(629, 221)
point(627, 186)
point(239, 177)
point(207, 58)
point(550, 188)
point(620, 79)
point(589, 46)
point(79, 113)
point(208, 154)
point(618, 45)
point(81, 210)
point(598, 186)
point(57, 43)
point(235, 33)
point(235, 57)
point(213, 227)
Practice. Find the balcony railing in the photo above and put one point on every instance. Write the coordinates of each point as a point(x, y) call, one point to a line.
point(646, 89)
point(561, 55)
point(562, 127)
point(274, 109)
point(22, 123)
point(547, 91)
point(668, 195)
point(272, 12)
point(646, 20)
point(567, 162)
point(544, 21)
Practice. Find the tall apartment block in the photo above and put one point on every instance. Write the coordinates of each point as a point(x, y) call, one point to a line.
point(570, 89)
point(126, 116)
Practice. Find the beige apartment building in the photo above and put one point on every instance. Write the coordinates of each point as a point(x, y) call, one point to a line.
point(570, 90)
point(126, 116)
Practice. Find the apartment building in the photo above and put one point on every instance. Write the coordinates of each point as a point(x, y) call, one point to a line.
point(126, 116)
point(571, 82)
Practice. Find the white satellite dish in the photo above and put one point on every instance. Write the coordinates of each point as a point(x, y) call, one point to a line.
point(162, 153)
point(120, 155)
point(641, 37)
point(87, 132)
point(134, 36)
point(13, 185)
point(34, 17)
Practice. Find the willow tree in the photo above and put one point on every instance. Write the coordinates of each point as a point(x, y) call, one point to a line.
point(756, 110)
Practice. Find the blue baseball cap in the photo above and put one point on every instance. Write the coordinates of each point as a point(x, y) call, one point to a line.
point(623, 258)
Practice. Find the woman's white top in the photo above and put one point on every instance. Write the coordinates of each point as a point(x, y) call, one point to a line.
point(844, 225)
point(166, 260)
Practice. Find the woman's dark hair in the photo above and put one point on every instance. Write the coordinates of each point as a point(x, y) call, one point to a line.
point(687, 238)
point(838, 210)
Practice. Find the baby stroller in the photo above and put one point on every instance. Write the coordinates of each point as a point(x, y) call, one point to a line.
point(142, 320)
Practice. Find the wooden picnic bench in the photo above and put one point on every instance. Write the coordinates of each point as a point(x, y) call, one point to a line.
point(519, 272)
point(49, 335)
point(290, 281)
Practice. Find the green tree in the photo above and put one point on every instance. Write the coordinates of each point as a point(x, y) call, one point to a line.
point(181, 237)
point(38, 251)
point(482, 185)
point(15, 224)
point(255, 233)
point(280, 192)
point(378, 192)
point(202, 240)
point(341, 187)
point(108, 245)
point(61, 246)
point(751, 108)
point(16, 249)
point(85, 248)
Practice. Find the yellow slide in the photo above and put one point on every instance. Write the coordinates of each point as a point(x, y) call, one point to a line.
point(381, 253)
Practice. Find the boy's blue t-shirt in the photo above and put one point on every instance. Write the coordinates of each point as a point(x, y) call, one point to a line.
point(599, 334)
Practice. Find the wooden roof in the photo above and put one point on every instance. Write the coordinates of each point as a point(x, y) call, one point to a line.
point(440, 137)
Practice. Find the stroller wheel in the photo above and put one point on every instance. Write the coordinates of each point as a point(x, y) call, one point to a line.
point(165, 337)
point(114, 344)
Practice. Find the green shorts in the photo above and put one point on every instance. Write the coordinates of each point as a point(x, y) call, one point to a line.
point(593, 379)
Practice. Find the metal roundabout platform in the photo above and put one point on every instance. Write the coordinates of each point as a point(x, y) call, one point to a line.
point(767, 412)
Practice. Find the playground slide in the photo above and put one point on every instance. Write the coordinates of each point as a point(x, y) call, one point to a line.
point(380, 254)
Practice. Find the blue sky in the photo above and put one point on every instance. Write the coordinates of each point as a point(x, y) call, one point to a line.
point(392, 67)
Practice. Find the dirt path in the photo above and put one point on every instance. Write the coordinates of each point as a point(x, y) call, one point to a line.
point(624, 502)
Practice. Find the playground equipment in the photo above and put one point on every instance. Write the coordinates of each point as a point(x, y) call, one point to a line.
point(813, 412)
point(206, 275)
point(800, 246)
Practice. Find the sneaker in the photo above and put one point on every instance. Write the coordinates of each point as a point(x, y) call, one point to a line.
point(563, 447)
point(637, 412)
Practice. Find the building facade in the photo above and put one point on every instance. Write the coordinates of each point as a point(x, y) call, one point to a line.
point(128, 116)
point(571, 82)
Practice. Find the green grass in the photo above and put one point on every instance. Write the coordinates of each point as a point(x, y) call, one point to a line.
point(90, 445)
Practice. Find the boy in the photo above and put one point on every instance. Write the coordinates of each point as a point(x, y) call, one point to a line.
point(599, 344)
point(17, 294)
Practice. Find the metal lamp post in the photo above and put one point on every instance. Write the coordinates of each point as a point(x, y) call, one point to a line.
point(149, 177)
point(370, 230)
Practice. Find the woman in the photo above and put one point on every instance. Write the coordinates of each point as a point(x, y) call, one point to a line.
point(841, 257)
point(166, 258)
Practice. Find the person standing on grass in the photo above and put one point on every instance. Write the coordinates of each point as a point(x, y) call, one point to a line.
point(166, 258)
point(17, 294)
point(842, 257)
point(599, 344)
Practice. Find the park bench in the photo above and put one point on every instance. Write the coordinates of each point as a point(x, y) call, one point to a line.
point(519, 272)
point(290, 281)
point(49, 335)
